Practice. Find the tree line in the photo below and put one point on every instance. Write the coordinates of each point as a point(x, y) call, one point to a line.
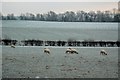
point(68, 16)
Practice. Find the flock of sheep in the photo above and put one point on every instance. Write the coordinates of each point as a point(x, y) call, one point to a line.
point(69, 50)
point(72, 51)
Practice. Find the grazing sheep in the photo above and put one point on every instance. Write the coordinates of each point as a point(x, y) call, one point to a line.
point(103, 52)
point(71, 50)
point(46, 50)
point(68, 50)
point(74, 51)
point(12, 46)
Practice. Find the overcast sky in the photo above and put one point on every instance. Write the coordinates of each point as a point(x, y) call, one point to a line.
point(59, 0)
point(43, 7)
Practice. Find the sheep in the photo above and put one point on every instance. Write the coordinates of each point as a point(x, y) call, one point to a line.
point(46, 50)
point(71, 50)
point(103, 52)
point(68, 50)
point(12, 46)
point(74, 51)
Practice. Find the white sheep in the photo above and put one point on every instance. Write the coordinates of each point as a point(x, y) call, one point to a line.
point(46, 50)
point(12, 46)
point(103, 52)
point(74, 51)
point(71, 50)
point(68, 50)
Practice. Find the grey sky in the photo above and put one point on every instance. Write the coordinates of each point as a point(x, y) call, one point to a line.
point(59, 0)
point(43, 7)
